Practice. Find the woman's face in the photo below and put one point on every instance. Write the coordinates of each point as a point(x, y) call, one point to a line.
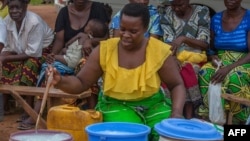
point(131, 31)
point(180, 7)
point(232, 4)
point(17, 10)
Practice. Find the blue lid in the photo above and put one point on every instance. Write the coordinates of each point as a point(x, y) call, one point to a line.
point(185, 129)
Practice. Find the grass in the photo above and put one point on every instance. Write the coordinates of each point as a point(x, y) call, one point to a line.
point(35, 2)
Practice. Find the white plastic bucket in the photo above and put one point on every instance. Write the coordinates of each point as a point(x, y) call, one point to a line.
point(40, 135)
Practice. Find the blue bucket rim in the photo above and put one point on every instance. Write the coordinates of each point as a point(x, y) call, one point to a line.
point(142, 133)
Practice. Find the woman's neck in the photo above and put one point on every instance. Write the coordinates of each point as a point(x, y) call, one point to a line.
point(232, 13)
point(188, 13)
point(83, 7)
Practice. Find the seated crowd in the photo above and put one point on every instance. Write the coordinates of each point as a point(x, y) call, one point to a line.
point(159, 63)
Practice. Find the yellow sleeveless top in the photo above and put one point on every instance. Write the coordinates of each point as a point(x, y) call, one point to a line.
point(132, 84)
point(4, 12)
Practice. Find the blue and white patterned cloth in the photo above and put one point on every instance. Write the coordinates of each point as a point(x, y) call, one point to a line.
point(154, 24)
point(60, 67)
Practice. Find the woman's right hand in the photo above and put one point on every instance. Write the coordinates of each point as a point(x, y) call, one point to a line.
point(214, 60)
point(174, 48)
point(56, 75)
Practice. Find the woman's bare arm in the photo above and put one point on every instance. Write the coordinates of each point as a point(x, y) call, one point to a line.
point(88, 75)
point(58, 43)
point(169, 74)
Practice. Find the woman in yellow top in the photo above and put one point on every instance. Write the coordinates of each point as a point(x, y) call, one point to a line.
point(132, 68)
point(4, 9)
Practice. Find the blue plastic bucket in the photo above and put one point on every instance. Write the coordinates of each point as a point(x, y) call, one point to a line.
point(117, 131)
point(183, 129)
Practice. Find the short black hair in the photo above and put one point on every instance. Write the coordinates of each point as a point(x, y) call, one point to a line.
point(109, 11)
point(137, 10)
point(6, 2)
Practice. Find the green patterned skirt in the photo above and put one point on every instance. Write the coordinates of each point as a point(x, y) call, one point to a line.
point(148, 111)
point(237, 82)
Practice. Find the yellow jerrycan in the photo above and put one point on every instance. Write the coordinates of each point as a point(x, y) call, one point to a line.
point(72, 120)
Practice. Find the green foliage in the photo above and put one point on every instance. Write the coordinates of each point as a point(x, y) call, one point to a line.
point(35, 2)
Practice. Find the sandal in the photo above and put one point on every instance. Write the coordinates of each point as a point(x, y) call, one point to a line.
point(22, 118)
point(26, 126)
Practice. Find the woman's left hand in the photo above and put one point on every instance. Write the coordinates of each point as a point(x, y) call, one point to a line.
point(175, 115)
point(220, 75)
point(176, 44)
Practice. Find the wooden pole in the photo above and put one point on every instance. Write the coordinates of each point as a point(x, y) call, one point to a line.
point(48, 85)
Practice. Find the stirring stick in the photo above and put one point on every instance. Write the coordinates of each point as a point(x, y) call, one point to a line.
point(48, 85)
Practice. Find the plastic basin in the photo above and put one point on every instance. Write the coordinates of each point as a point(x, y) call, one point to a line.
point(117, 131)
point(40, 135)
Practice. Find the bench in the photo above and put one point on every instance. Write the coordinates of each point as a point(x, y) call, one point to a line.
point(236, 99)
point(18, 91)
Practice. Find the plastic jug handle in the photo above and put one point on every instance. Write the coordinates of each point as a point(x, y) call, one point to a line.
point(68, 107)
point(94, 114)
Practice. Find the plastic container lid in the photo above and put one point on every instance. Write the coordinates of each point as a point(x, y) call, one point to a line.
point(185, 129)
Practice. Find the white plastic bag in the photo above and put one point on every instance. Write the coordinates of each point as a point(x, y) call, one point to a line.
point(216, 110)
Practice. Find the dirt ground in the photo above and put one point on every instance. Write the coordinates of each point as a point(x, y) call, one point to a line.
point(9, 125)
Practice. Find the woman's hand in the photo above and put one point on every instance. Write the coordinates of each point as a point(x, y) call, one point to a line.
point(174, 48)
point(220, 75)
point(56, 75)
point(176, 115)
point(176, 44)
point(50, 58)
point(214, 60)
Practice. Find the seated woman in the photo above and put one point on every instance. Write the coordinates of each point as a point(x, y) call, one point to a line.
point(230, 43)
point(186, 29)
point(27, 36)
point(67, 61)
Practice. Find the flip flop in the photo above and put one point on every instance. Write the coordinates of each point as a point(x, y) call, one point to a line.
point(26, 126)
point(22, 118)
